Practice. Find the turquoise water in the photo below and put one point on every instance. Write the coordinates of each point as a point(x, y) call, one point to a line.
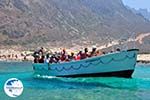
point(111, 88)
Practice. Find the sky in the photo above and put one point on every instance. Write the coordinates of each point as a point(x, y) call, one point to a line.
point(137, 4)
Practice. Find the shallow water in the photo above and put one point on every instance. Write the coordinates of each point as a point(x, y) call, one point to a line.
point(108, 88)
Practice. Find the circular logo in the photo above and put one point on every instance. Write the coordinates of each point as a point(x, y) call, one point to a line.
point(13, 87)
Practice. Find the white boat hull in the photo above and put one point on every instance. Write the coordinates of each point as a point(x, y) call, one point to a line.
point(121, 64)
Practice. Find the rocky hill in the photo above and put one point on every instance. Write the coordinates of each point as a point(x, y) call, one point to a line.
point(143, 12)
point(67, 22)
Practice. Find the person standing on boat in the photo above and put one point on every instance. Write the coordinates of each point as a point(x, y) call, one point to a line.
point(85, 54)
point(37, 54)
point(36, 57)
point(47, 59)
point(78, 56)
point(41, 60)
point(93, 53)
point(41, 51)
point(71, 57)
point(51, 59)
point(54, 59)
point(63, 55)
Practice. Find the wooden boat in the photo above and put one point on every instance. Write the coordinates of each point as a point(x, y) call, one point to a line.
point(120, 64)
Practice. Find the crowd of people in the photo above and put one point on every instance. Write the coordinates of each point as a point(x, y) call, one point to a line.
point(9, 56)
point(63, 56)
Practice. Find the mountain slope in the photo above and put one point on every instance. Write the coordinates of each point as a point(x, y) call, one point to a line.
point(38, 22)
point(145, 13)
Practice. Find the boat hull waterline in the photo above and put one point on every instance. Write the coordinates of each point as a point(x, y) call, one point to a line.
point(120, 64)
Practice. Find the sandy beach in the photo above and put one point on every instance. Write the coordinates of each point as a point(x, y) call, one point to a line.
point(15, 55)
point(143, 58)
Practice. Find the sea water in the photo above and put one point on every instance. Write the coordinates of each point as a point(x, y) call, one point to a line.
point(52, 88)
